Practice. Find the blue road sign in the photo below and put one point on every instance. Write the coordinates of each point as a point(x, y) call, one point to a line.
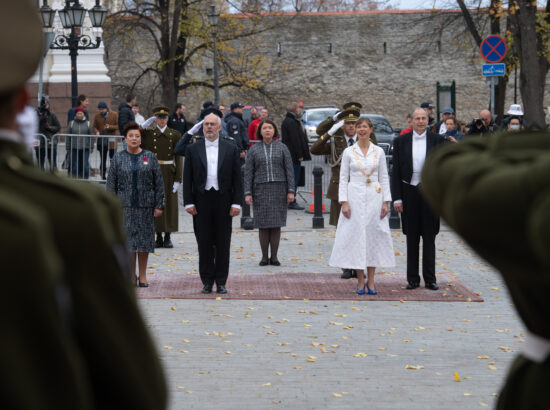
point(493, 49)
point(493, 70)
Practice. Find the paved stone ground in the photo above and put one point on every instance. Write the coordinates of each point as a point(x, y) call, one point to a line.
point(331, 355)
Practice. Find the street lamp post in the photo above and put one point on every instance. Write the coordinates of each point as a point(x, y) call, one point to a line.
point(213, 18)
point(72, 17)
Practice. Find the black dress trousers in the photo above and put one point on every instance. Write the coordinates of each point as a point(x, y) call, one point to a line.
point(419, 221)
point(213, 236)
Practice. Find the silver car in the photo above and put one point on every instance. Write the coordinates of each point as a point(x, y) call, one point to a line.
point(313, 116)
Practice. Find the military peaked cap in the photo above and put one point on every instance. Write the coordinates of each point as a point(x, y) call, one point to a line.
point(352, 106)
point(21, 43)
point(161, 111)
point(349, 115)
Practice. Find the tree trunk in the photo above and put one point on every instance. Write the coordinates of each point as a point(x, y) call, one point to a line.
point(534, 66)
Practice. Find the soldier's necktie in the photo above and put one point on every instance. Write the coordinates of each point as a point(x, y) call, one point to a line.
point(350, 142)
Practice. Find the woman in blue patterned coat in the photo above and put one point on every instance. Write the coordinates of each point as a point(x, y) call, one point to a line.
point(269, 187)
point(135, 177)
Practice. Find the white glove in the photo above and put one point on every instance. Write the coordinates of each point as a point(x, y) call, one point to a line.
point(27, 122)
point(196, 128)
point(147, 123)
point(175, 187)
point(335, 128)
point(335, 116)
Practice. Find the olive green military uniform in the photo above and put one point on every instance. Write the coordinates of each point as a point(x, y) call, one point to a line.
point(124, 371)
point(333, 147)
point(171, 166)
point(72, 334)
point(35, 337)
point(494, 191)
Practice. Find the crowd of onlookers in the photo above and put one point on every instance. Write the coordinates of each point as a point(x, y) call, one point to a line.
point(241, 129)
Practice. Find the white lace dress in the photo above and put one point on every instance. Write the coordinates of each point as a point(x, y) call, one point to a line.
point(364, 239)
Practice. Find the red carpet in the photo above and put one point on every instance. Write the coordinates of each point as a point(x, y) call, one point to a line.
point(299, 286)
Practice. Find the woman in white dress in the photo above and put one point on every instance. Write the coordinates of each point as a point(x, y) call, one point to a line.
point(363, 236)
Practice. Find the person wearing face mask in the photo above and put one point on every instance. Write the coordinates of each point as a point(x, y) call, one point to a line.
point(452, 132)
point(162, 140)
point(514, 124)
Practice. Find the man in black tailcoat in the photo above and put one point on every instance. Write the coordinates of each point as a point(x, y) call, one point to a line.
point(409, 153)
point(213, 194)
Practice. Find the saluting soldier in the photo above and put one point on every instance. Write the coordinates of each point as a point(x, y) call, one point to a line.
point(96, 306)
point(335, 135)
point(162, 141)
point(494, 192)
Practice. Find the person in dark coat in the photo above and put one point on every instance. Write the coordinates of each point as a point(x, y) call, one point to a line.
point(125, 112)
point(82, 103)
point(237, 129)
point(295, 138)
point(72, 334)
point(409, 153)
point(48, 126)
point(177, 120)
point(213, 194)
point(493, 191)
point(135, 177)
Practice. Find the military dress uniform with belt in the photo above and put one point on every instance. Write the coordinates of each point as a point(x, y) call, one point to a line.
point(162, 144)
point(333, 147)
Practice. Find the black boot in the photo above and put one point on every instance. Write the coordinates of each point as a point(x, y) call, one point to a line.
point(167, 241)
point(159, 243)
point(348, 274)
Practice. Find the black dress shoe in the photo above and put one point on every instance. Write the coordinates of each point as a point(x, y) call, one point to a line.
point(143, 285)
point(432, 286)
point(347, 274)
point(207, 289)
point(159, 242)
point(168, 243)
point(264, 262)
point(413, 285)
point(221, 289)
point(274, 262)
point(295, 206)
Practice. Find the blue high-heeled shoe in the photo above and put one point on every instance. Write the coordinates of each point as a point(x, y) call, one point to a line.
point(360, 291)
point(371, 291)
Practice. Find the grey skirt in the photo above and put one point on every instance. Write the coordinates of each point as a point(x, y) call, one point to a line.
point(269, 204)
point(140, 229)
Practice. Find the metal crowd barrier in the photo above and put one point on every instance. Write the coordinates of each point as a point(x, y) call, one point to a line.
point(83, 157)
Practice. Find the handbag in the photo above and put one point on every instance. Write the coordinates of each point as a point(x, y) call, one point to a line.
point(302, 181)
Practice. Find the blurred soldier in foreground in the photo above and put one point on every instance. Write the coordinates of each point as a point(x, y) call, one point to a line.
point(494, 192)
point(73, 337)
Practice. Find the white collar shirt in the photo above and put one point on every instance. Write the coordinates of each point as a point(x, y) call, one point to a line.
point(418, 156)
point(212, 148)
point(162, 129)
point(354, 138)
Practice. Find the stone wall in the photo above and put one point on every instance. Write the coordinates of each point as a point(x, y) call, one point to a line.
point(389, 61)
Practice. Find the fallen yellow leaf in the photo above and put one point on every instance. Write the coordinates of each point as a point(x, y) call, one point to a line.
point(417, 367)
point(172, 308)
point(336, 394)
point(266, 384)
point(457, 377)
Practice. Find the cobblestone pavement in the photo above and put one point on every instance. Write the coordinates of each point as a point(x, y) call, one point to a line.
point(331, 355)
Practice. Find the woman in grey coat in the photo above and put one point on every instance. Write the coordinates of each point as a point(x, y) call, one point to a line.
point(269, 187)
point(136, 179)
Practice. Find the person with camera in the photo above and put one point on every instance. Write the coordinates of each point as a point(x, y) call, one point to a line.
point(48, 126)
point(483, 125)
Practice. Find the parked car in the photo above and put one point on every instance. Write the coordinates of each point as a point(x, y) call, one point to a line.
point(312, 116)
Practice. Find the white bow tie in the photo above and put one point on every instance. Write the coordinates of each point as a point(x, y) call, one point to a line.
point(211, 144)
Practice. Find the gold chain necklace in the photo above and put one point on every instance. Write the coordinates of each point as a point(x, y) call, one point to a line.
point(358, 161)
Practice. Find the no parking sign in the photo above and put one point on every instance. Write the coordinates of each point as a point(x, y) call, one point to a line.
point(493, 49)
